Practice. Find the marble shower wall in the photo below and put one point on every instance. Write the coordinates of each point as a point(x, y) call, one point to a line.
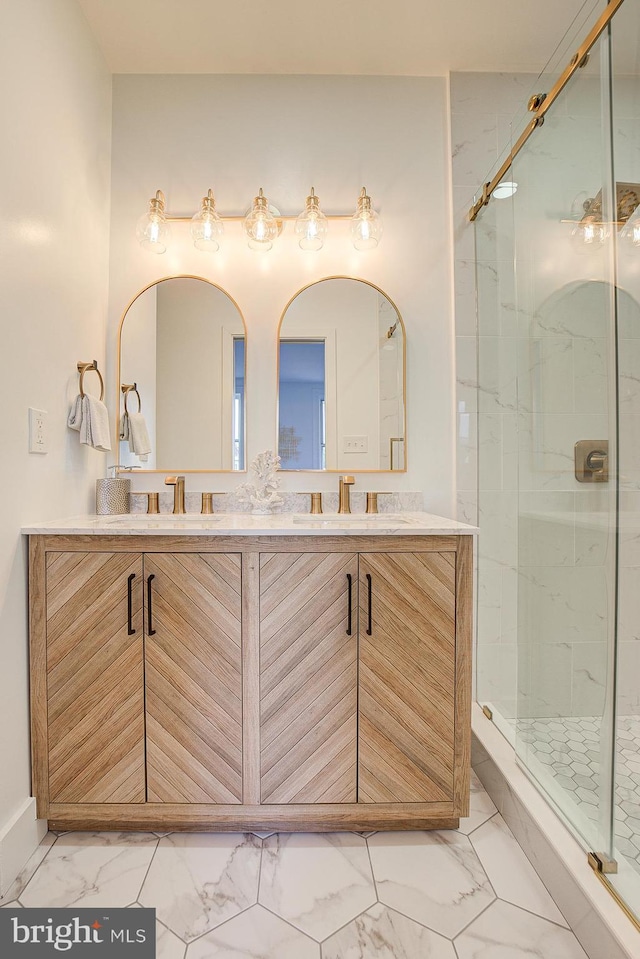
point(546, 370)
point(482, 107)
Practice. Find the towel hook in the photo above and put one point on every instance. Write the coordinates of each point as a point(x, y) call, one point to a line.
point(130, 388)
point(93, 366)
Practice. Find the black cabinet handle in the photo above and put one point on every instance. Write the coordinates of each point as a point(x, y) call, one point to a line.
point(151, 630)
point(369, 601)
point(350, 582)
point(130, 629)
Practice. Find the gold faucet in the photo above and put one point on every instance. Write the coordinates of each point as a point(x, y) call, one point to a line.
point(344, 501)
point(178, 492)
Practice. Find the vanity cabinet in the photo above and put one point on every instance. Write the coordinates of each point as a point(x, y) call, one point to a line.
point(143, 677)
point(357, 677)
point(291, 682)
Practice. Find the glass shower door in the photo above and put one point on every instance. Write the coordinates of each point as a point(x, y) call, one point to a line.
point(566, 419)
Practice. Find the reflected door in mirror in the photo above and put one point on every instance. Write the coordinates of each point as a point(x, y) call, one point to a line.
point(341, 379)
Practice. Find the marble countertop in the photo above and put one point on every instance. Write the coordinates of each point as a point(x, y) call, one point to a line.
point(248, 524)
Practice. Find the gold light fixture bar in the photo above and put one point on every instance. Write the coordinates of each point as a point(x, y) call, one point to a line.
point(541, 103)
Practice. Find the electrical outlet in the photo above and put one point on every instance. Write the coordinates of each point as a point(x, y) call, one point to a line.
point(38, 433)
point(355, 444)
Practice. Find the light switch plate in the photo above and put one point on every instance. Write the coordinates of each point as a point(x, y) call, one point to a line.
point(355, 444)
point(38, 433)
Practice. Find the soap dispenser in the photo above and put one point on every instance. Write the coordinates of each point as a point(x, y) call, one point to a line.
point(113, 494)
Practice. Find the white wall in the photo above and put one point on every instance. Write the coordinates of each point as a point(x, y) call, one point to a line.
point(194, 342)
point(184, 134)
point(55, 121)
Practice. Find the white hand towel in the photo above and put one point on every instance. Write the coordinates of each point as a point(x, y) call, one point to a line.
point(89, 416)
point(134, 430)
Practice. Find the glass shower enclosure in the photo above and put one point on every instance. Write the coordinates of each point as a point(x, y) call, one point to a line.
point(558, 311)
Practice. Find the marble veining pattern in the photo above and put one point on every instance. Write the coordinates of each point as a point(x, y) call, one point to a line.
point(433, 877)
point(393, 895)
point(199, 880)
point(318, 882)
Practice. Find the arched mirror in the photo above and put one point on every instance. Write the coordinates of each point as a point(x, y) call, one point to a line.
point(182, 350)
point(341, 379)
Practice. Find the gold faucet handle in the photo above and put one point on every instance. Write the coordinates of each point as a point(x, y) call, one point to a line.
point(316, 503)
point(207, 503)
point(372, 500)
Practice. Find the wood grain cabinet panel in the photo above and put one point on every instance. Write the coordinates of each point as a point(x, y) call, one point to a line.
point(252, 682)
point(308, 677)
point(406, 743)
point(94, 678)
point(194, 678)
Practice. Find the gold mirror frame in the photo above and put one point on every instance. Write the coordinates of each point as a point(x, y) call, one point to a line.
point(163, 279)
point(356, 279)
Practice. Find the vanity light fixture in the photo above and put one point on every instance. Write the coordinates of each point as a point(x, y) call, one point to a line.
point(260, 224)
point(153, 231)
point(311, 225)
point(366, 226)
point(207, 227)
point(591, 231)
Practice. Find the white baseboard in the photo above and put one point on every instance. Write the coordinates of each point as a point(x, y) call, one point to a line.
point(18, 841)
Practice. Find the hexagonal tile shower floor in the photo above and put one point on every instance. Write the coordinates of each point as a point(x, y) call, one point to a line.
point(569, 749)
point(460, 894)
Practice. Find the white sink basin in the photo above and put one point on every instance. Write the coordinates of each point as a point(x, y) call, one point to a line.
point(165, 519)
point(351, 519)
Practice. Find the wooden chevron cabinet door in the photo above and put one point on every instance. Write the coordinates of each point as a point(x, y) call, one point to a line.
point(94, 677)
point(193, 677)
point(308, 677)
point(407, 677)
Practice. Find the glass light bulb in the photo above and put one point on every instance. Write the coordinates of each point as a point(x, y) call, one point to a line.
point(207, 227)
point(630, 232)
point(311, 225)
point(588, 235)
point(366, 225)
point(260, 225)
point(152, 230)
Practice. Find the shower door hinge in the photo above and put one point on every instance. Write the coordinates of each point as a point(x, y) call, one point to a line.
point(488, 713)
point(600, 862)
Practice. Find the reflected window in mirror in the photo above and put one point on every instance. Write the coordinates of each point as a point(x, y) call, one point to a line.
point(341, 379)
point(183, 344)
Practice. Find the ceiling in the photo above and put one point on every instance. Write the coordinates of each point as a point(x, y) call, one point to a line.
point(370, 37)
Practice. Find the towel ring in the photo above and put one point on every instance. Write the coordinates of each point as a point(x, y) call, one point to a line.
point(130, 388)
point(92, 367)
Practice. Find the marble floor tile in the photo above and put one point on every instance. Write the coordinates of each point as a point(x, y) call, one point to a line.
point(316, 881)
point(432, 877)
point(199, 880)
point(511, 874)
point(168, 945)
point(11, 905)
point(29, 869)
point(86, 869)
point(382, 933)
point(481, 807)
point(507, 932)
point(254, 934)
